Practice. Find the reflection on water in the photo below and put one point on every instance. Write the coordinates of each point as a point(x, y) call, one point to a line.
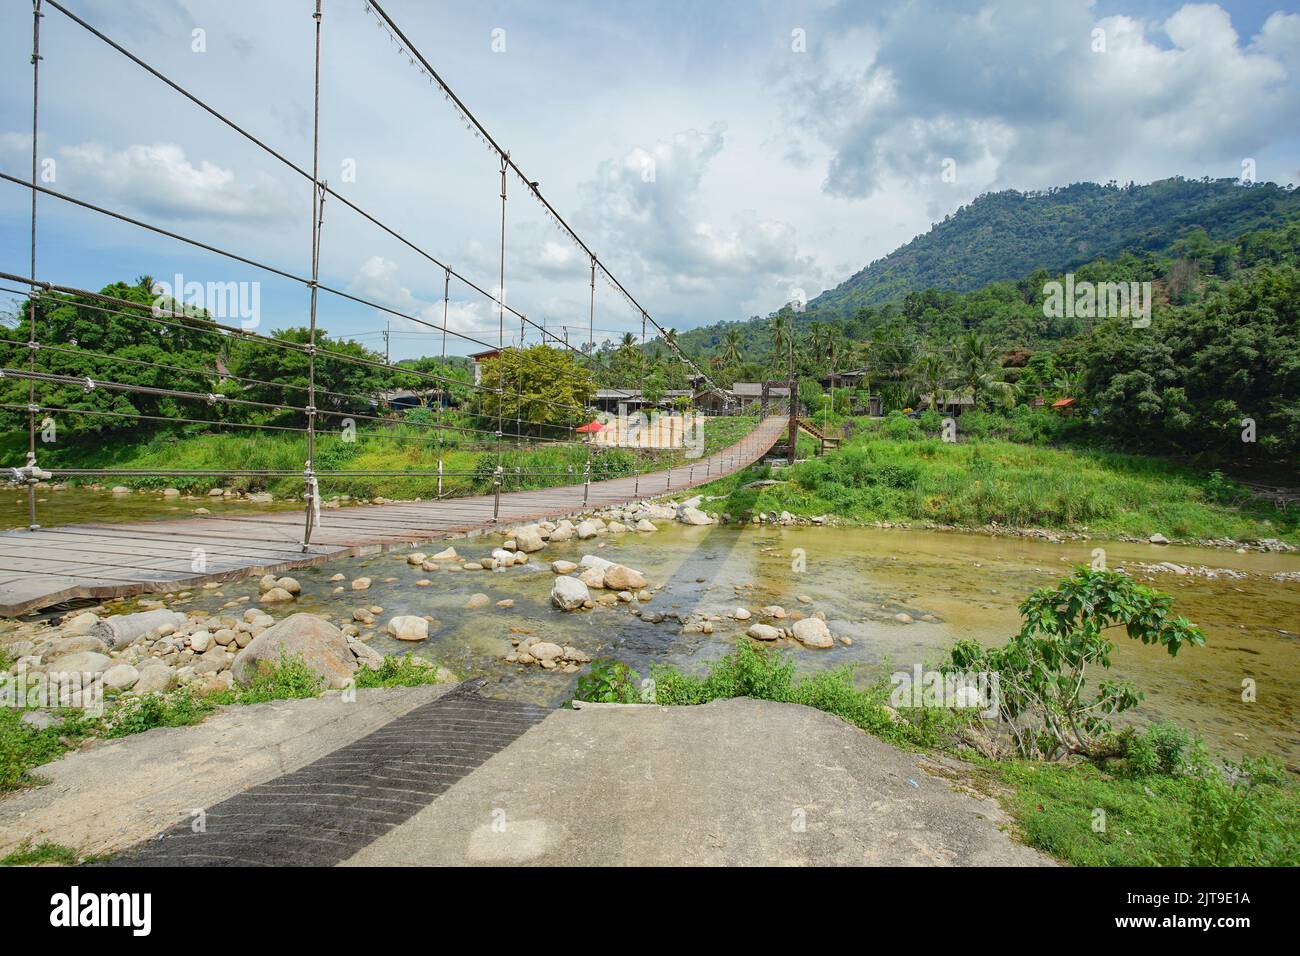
point(75, 505)
point(861, 578)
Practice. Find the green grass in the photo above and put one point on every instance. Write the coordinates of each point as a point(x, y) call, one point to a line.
point(24, 748)
point(1150, 820)
point(1165, 803)
point(468, 466)
point(398, 672)
point(42, 854)
point(894, 472)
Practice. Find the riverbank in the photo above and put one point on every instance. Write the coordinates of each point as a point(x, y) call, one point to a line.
point(468, 466)
point(889, 599)
point(890, 472)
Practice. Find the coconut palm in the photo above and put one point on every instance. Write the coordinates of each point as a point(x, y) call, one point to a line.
point(931, 374)
point(783, 340)
point(733, 342)
point(979, 372)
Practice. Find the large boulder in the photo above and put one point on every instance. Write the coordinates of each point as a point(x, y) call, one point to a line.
point(813, 632)
point(529, 539)
point(409, 627)
point(155, 680)
point(588, 529)
point(74, 624)
point(318, 642)
point(689, 515)
point(621, 578)
point(569, 594)
point(763, 632)
point(84, 662)
point(64, 646)
point(121, 677)
point(563, 532)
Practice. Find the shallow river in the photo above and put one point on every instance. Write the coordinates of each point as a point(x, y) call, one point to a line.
point(861, 578)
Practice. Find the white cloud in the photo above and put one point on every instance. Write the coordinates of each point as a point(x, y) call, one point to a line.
point(1015, 93)
point(159, 180)
point(377, 280)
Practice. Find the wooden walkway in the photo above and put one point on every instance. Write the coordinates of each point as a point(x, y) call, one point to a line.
point(105, 560)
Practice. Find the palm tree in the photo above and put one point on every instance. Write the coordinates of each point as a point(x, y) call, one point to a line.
point(783, 341)
point(732, 344)
point(834, 349)
point(980, 372)
point(816, 339)
point(931, 374)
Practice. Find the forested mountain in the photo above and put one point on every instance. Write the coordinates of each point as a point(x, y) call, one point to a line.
point(1011, 234)
point(984, 266)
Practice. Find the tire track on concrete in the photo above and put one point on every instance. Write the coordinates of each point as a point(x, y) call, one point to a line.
point(326, 811)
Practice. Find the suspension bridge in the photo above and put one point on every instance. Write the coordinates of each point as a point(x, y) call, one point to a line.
point(79, 385)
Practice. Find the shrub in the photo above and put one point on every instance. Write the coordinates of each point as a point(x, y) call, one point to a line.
point(609, 682)
point(290, 679)
point(898, 426)
point(1041, 669)
point(135, 715)
point(1161, 749)
point(406, 670)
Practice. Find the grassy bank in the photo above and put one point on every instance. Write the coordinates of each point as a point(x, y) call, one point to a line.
point(893, 470)
point(24, 748)
point(1162, 803)
point(468, 466)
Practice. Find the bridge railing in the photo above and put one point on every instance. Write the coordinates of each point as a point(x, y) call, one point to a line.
point(61, 384)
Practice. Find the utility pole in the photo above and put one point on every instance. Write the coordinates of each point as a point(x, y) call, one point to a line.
point(387, 352)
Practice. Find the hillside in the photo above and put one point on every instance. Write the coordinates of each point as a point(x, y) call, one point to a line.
point(1006, 235)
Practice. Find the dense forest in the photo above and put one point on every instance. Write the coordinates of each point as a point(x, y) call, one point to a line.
point(1223, 344)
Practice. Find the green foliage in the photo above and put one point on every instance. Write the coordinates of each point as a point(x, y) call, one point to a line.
point(1189, 382)
point(765, 673)
point(23, 748)
point(539, 385)
point(405, 670)
point(42, 854)
point(1162, 748)
point(1006, 235)
point(1017, 484)
point(288, 679)
point(1049, 708)
point(135, 715)
point(1205, 816)
point(609, 681)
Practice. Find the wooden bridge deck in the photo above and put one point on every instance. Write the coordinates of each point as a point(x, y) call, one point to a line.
point(104, 560)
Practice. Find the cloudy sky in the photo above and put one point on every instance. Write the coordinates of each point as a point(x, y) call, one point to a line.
point(720, 157)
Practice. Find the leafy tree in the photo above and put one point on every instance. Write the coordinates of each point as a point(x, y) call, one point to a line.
point(540, 388)
point(1045, 693)
point(91, 341)
point(346, 377)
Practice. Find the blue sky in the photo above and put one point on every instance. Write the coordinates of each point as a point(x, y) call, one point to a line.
point(721, 157)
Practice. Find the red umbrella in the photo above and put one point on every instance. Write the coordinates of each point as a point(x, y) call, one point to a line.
point(589, 428)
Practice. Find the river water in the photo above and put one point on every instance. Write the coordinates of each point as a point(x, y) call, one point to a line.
point(970, 584)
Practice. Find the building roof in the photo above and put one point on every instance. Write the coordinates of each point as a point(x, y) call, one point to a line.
point(625, 394)
point(1063, 403)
